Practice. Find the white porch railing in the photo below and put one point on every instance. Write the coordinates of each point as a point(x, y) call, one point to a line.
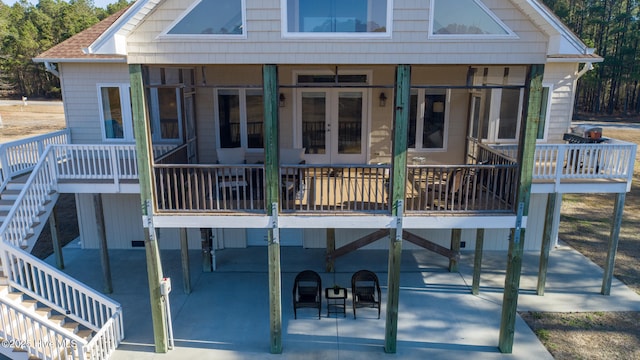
point(19, 157)
point(96, 162)
point(613, 160)
point(37, 335)
point(40, 280)
point(68, 296)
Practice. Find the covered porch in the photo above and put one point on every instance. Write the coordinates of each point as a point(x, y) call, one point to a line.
point(226, 314)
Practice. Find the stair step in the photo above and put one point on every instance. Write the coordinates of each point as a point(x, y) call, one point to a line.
point(12, 185)
point(71, 326)
point(58, 319)
point(44, 311)
point(85, 334)
point(10, 194)
point(30, 304)
point(15, 296)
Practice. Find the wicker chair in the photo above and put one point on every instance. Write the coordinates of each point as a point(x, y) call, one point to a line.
point(365, 289)
point(307, 291)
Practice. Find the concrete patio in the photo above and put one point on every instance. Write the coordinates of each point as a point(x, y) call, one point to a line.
point(226, 315)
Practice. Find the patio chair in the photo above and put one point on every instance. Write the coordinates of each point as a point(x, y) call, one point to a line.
point(292, 179)
point(229, 178)
point(365, 289)
point(307, 291)
point(452, 193)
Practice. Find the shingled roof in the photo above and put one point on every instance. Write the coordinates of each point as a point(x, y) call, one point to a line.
point(71, 49)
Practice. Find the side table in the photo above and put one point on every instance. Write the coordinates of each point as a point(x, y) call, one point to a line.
point(336, 301)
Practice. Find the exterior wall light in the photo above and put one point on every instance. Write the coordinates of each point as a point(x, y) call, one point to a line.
point(282, 100)
point(383, 99)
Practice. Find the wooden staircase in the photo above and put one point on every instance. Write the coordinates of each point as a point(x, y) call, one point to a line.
point(7, 200)
point(56, 347)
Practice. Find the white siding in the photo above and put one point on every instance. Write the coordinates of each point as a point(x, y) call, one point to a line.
point(80, 94)
point(265, 44)
point(123, 224)
point(563, 77)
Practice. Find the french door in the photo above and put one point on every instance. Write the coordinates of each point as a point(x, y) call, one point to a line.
point(333, 125)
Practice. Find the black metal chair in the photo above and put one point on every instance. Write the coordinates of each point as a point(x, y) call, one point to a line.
point(365, 289)
point(307, 291)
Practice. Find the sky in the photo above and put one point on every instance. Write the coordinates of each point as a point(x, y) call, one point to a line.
point(98, 3)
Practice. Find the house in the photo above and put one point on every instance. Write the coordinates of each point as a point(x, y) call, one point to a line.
point(386, 124)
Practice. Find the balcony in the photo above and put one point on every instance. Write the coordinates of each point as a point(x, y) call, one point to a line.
point(485, 185)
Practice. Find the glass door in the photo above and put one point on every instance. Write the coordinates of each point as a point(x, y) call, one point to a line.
point(333, 125)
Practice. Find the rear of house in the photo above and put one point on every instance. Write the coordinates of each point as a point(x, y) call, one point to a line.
point(337, 125)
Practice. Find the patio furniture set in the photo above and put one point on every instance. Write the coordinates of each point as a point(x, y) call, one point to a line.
point(307, 293)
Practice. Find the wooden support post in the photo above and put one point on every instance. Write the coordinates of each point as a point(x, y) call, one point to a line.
point(272, 192)
point(545, 247)
point(398, 181)
point(526, 152)
point(206, 237)
point(104, 250)
point(616, 223)
point(184, 256)
point(331, 247)
point(142, 132)
point(456, 235)
point(55, 239)
point(477, 262)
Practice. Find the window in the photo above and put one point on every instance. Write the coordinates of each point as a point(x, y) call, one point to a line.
point(165, 112)
point(211, 18)
point(465, 18)
point(115, 112)
point(240, 118)
point(427, 119)
point(335, 17)
point(496, 114)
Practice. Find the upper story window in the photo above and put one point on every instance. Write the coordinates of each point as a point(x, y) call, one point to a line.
point(165, 112)
point(428, 119)
point(240, 118)
point(115, 112)
point(465, 19)
point(218, 18)
point(337, 18)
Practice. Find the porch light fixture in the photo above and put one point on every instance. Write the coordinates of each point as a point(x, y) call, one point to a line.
point(383, 99)
point(281, 100)
point(438, 107)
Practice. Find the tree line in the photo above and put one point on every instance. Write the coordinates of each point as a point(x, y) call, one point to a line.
point(611, 27)
point(27, 30)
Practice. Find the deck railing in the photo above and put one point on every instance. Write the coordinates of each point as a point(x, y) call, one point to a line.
point(461, 188)
point(209, 188)
point(96, 162)
point(20, 156)
point(40, 280)
point(613, 160)
point(336, 188)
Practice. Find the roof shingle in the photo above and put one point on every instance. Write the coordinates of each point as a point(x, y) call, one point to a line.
point(72, 48)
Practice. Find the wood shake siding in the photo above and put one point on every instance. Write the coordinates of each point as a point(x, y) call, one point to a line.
point(265, 43)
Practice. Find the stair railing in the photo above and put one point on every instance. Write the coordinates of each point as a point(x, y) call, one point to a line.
point(21, 156)
point(43, 282)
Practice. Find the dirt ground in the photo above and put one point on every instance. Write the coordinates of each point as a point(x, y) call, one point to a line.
point(601, 335)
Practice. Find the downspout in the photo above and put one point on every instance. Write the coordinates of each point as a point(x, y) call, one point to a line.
point(586, 68)
point(51, 68)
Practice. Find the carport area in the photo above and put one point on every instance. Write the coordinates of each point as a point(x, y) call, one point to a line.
point(226, 316)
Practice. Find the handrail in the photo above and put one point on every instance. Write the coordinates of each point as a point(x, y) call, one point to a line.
point(30, 201)
point(38, 279)
point(57, 290)
point(42, 338)
point(105, 341)
point(557, 162)
point(20, 156)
